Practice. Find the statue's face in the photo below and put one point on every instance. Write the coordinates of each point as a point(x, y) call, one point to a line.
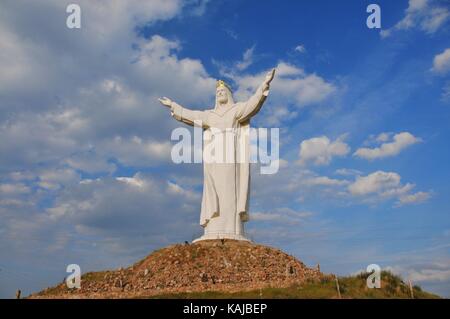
point(222, 96)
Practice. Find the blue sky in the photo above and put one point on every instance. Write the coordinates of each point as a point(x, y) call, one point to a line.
point(85, 169)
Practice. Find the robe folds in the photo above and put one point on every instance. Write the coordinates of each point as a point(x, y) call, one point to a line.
point(226, 185)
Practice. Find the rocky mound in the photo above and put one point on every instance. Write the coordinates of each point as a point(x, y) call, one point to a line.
point(211, 265)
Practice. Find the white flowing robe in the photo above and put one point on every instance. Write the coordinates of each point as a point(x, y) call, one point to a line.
point(226, 186)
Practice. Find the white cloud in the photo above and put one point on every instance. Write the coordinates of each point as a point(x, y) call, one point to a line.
point(424, 272)
point(247, 59)
point(65, 95)
point(177, 189)
point(435, 19)
point(106, 115)
point(291, 85)
point(90, 162)
point(282, 215)
point(441, 62)
point(158, 64)
point(294, 183)
point(14, 189)
point(380, 185)
point(29, 54)
point(285, 70)
point(432, 275)
point(275, 115)
point(291, 89)
point(129, 208)
point(414, 198)
point(55, 178)
point(399, 142)
point(21, 176)
point(135, 181)
point(135, 151)
point(426, 15)
point(383, 137)
point(320, 150)
point(303, 180)
point(311, 89)
point(347, 172)
point(374, 183)
point(32, 138)
point(199, 7)
point(126, 200)
point(300, 48)
point(324, 181)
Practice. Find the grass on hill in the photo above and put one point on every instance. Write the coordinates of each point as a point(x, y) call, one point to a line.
point(351, 287)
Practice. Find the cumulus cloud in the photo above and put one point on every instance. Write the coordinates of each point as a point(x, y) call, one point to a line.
point(375, 182)
point(398, 143)
point(324, 181)
point(296, 185)
point(321, 150)
point(55, 178)
point(125, 207)
point(426, 15)
point(291, 85)
point(282, 215)
point(413, 198)
point(108, 105)
point(303, 180)
point(432, 275)
point(90, 162)
point(29, 138)
point(82, 102)
point(382, 185)
point(176, 189)
point(425, 271)
point(347, 172)
point(37, 47)
point(135, 151)
point(13, 189)
point(383, 137)
point(441, 62)
point(134, 181)
point(99, 223)
point(292, 88)
point(275, 115)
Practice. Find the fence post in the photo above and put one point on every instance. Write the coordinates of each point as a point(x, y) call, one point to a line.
point(337, 287)
point(411, 289)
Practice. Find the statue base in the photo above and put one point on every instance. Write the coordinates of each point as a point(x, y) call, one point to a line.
point(221, 236)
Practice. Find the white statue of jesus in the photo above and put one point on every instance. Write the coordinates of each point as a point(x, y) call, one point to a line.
point(226, 185)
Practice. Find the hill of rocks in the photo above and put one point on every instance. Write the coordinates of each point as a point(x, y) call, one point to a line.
point(226, 266)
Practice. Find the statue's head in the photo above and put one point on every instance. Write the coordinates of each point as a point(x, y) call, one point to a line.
point(223, 94)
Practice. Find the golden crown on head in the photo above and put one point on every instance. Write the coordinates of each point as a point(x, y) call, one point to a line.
point(223, 84)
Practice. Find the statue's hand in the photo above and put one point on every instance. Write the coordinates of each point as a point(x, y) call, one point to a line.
point(269, 77)
point(165, 101)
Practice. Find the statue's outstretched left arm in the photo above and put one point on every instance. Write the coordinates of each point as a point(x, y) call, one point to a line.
point(253, 105)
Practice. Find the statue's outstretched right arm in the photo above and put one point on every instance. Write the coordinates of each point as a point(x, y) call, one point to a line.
point(185, 115)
